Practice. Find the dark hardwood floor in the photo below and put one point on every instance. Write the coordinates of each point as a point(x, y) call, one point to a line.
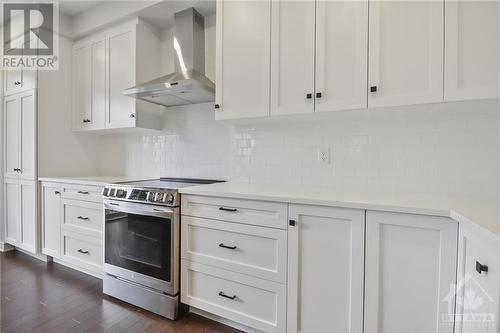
point(48, 297)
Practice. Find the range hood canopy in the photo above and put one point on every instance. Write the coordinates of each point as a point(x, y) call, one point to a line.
point(188, 84)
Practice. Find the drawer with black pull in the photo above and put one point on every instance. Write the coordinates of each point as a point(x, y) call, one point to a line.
point(262, 213)
point(81, 192)
point(82, 251)
point(247, 249)
point(250, 301)
point(82, 216)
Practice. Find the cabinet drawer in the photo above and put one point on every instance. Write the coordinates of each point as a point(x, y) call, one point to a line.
point(87, 216)
point(82, 192)
point(250, 301)
point(83, 251)
point(246, 249)
point(267, 214)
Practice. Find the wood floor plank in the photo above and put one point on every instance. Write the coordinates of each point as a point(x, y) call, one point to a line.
point(47, 297)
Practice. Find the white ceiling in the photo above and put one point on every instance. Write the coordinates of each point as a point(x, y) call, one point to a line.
point(72, 8)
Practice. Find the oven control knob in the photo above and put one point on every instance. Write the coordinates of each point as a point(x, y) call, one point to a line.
point(169, 198)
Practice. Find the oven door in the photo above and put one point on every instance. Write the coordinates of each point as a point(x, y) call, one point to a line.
point(141, 244)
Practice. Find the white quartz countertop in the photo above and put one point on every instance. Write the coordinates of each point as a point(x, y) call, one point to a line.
point(92, 181)
point(468, 210)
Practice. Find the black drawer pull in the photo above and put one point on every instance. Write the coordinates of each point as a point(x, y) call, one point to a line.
point(228, 209)
point(227, 247)
point(83, 218)
point(221, 294)
point(83, 192)
point(481, 268)
point(57, 192)
point(17, 83)
point(83, 252)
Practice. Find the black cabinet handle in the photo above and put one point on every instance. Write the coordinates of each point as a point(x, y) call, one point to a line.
point(228, 209)
point(17, 83)
point(481, 268)
point(227, 247)
point(17, 169)
point(318, 95)
point(132, 116)
point(293, 223)
point(83, 252)
point(221, 294)
point(83, 192)
point(217, 106)
point(373, 89)
point(309, 96)
point(57, 192)
point(86, 120)
point(82, 218)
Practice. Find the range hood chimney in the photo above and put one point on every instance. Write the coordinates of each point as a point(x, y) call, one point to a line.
point(188, 84)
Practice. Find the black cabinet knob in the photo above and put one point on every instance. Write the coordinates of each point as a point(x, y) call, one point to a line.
point(318, 95)
point(292, 223)
point(217, 106)
point(309, 96)
point(132, 116)
point(373, 89)
point(481, 268)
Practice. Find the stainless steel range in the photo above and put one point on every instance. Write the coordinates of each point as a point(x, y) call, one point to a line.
point(142, 243)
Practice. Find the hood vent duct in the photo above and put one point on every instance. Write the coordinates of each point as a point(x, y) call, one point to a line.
point(188, 84)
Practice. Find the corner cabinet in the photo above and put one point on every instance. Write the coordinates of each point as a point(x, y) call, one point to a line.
point(104, 65)
point(472, 50)
point(325, 269)
point(410, 272)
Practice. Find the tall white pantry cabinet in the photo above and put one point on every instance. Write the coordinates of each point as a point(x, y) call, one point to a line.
point(20, 163)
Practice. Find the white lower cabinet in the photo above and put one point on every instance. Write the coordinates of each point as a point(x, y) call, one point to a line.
point(410, 270)
point(73, 225)
point(325, 269)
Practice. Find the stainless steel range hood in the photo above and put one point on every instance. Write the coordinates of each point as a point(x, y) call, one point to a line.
point(188, 84)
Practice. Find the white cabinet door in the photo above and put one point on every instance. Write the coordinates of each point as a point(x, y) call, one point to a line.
point(341, 55)
point(51, 229)
point(292, 57)
point(243, 59)
point(89, 84)
point(28, 215)
point(410, 270)
point(405, 53)
point(472, 50)
point(121, 62)
point(12, 136)
point(82, 92)
point(325, 269)
point(28, 161)
point(12, 212)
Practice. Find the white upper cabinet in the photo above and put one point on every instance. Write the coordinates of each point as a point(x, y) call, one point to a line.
point(405, 53)
point(410, 270)
point(292, 57)
point(341, 55)
point(243, 59)
point(107, 63)
point(20, 135)
point(472, 50)
point(89, 88)
point(325, 269)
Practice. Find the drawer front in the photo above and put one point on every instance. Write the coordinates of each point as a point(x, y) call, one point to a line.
point(266, 214)
point(250, 301)
point(87, 216)
point(241, 248)
point(82, 250)
point(82, 192)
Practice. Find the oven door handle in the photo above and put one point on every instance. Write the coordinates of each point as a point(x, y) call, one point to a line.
point(139, 209)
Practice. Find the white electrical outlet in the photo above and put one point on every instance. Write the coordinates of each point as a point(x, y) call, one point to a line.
point(324, 155)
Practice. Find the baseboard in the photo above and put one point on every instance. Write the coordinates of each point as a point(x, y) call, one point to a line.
point(224, 321)
point(4, 247)
point(77, 268)
point(39, 256)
